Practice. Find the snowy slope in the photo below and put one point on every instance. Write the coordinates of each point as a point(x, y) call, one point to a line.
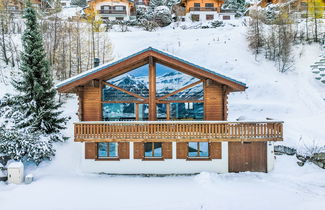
point(295, 97)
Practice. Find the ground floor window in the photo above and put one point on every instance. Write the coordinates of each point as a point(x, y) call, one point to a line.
point(198, 149)
point(152, 149)
point(209, 17)
point(107, 150)
point(195, 17)
point(119, 18)
point(226, 17)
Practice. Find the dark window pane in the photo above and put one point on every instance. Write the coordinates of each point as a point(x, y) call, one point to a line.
point(209, 5)
point(118, 112)
point(189, 111)
point(148, 149)
point(204, 149)
point(161, 111)
point(143, 111)
point(192, 149)
point(158, 149)
point(113, 149)
point(102, 150)
point(196, 4)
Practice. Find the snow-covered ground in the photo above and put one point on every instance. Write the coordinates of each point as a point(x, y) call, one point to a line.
point(287, 187)
point(295, 97)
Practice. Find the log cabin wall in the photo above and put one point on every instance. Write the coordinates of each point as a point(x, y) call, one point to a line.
point(215, 101)
point(90, 100)
point(91, 104)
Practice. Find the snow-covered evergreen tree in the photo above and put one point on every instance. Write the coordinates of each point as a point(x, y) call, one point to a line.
point(24, 145)
point(169, 3)
point(34, 106)
point(162, 16)
point(240, 6)
point(80, 3)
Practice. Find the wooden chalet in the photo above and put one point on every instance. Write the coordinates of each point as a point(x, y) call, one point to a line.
point(112, 9)
point(154, 113)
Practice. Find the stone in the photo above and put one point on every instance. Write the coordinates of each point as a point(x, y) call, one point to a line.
point(284, 150)
point(301, 158)
point(300, 163)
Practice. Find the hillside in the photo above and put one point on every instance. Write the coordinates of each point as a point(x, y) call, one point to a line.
point(294, 97)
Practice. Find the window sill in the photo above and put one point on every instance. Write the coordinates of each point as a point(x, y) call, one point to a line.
point(107, 159)
point(153, 159)
point(198, 159)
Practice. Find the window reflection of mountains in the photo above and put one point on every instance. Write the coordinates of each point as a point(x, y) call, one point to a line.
point(165, 84)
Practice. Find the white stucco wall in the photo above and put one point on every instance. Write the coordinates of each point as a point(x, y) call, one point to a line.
point(168, 166)
point(216, 15)
point(270, 156)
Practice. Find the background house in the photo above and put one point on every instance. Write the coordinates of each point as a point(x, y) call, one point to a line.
point(113, 10)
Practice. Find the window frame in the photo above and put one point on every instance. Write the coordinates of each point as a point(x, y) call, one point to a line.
point(108, 157)
point(153, 152)
point(198, 157)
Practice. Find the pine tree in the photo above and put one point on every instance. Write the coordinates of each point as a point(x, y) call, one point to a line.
point(34, 107)
point(80, 3)
point(240, 6)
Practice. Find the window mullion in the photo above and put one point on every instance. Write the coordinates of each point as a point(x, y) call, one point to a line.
point(153, 149)
point(198, 149)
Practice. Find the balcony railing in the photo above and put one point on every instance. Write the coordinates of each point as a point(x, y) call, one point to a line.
point(203, 9)
point(162, 131)
point(111, 11)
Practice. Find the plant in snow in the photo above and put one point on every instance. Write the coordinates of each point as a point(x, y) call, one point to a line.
point(24, 145)
point(148, 25)
point(162, 16)
point(240, 6)
point(34, 108)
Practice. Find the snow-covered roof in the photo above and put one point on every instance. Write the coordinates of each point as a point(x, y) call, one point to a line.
point(109, 64)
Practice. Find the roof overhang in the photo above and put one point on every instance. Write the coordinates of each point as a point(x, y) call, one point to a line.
point(116, 68)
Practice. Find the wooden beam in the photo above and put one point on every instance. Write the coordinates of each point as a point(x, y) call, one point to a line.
point(180, 90)
point(125, 102)
point(123, 90)
point(152, 90)
point(179, 101)
point(168, 111)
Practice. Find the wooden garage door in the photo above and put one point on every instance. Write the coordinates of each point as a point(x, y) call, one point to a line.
point(247, 156)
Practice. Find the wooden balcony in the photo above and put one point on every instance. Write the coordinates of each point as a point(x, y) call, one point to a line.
point(112, 12)
point(167, 131)
point(204, 9)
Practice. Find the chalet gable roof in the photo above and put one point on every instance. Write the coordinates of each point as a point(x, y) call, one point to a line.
point(116, 68)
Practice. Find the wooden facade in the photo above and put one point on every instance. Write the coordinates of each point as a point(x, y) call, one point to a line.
point(213, 128)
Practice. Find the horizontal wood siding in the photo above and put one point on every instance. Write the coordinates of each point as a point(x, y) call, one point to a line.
point(213, 101)
point(167, 149)
point(181, 150)
point(215, 150)
point(124, 150)
point(90, 150)
point(91, 104)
